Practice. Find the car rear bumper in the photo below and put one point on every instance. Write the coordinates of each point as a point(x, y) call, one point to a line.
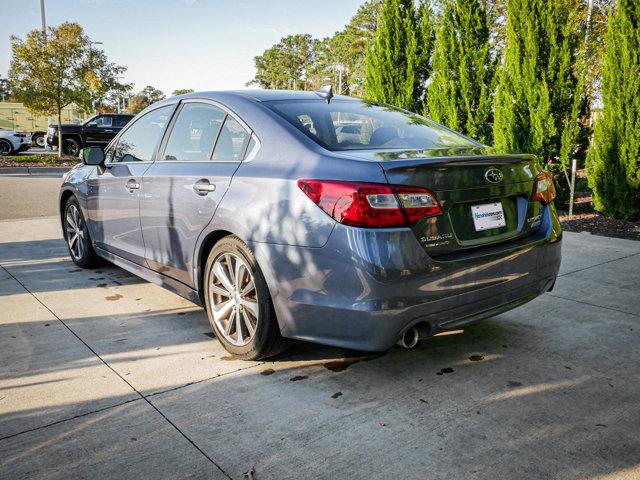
point(364, 288)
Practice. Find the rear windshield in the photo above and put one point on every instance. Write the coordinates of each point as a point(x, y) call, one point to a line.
point(361, 125)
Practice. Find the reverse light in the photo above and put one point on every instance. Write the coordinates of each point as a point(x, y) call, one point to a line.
point(371, 205)
point(543, 188)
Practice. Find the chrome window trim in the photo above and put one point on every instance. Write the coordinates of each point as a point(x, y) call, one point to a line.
point(131, 122)
point(214, 103)
point(249, 156)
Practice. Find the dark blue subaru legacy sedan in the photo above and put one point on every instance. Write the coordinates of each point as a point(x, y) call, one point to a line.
point(303, 215)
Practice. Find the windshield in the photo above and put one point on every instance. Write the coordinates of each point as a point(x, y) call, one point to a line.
point(361, 125)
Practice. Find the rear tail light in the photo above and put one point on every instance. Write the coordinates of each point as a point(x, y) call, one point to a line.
point(543, 188)
point(371, 204)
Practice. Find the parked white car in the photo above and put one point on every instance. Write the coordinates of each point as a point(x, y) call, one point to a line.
point(12, 142)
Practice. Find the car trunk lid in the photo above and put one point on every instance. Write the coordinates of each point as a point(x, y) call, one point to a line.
point(485, 199)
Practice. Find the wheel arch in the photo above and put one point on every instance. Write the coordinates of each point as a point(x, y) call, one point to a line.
point(202, 255)
point(65, 195)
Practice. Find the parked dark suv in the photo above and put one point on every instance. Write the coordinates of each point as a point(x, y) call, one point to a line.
point(94, 132)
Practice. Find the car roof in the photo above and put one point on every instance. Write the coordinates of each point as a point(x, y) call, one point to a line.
point(259, 95)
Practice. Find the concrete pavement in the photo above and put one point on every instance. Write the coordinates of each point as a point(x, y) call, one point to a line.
point(28, 196)
point(103, 375)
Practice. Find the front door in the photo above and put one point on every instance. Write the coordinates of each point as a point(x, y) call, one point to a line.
point(99, 131)
point(184, 187)
point(114, 190)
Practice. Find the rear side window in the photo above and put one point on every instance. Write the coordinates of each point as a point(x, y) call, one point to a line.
point(194, 133)
point(232, 141)
point(121, 121)
point(361, 125)
point(140, 140)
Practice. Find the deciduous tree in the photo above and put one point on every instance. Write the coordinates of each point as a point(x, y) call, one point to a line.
point(49, 72)
point(287, 63)
point(5, 89)
point(181, 91)
point(144, 98)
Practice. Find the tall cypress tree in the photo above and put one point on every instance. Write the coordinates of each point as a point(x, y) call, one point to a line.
point(613, 163)
point(541, 95)
point(460, 95)
point(393, 60)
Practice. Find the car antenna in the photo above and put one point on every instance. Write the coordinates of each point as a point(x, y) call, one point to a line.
point(325, 92)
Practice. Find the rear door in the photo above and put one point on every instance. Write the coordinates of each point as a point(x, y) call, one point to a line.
point(183, 188)
point(114, 190)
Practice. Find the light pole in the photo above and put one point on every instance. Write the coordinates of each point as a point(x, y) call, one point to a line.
point(44, 23)
point(340, 67)
point(44, 34)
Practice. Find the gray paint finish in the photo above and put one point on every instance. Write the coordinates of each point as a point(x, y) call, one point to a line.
point(330, 283)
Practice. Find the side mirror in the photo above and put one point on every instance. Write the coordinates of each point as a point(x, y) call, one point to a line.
point(92, 156)
point(92, 124)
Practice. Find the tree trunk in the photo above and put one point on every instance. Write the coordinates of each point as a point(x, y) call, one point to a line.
point(59, 132)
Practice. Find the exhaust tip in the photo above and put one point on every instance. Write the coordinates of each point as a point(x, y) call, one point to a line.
point(409, 338)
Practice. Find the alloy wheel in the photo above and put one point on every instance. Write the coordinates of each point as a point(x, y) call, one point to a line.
point(5, 147)
point(75, 232)
point(71, 148)
point(233, 299)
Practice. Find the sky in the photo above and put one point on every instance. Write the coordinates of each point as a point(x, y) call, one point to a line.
point(172, 44)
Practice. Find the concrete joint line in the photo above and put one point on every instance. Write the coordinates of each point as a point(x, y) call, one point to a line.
point(599, 264)
point(119, 376)
point(70, 418)
point(593, 305)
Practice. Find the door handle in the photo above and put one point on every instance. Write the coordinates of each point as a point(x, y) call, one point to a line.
point(109, 131)
point(203, 187)
point(132, 185)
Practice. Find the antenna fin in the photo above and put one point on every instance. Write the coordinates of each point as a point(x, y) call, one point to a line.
point(325, 92)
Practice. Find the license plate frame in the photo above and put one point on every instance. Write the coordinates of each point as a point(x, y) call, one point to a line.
point(488, 216)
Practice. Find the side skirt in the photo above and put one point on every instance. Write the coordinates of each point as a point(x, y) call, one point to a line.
point(159, 279)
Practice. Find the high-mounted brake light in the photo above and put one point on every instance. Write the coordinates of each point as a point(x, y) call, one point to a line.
point(543, 188)
point(371, 205)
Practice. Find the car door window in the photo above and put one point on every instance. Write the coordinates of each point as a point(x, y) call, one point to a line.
point(102, 121)
point(140, 140)
point(194, 133)
point(121, 121)
point(232, 141)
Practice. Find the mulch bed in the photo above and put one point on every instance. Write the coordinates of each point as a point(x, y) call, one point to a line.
point(585, 219)
point(42, 161)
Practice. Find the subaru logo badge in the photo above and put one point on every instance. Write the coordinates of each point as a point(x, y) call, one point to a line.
point(493, 175)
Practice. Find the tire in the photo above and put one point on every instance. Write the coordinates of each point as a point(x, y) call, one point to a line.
point(38, 140)
point(265, 340)
point(71, 146)
point(76, 234)
point(6, 148)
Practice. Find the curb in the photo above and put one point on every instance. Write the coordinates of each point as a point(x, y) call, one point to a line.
point(34, 170)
